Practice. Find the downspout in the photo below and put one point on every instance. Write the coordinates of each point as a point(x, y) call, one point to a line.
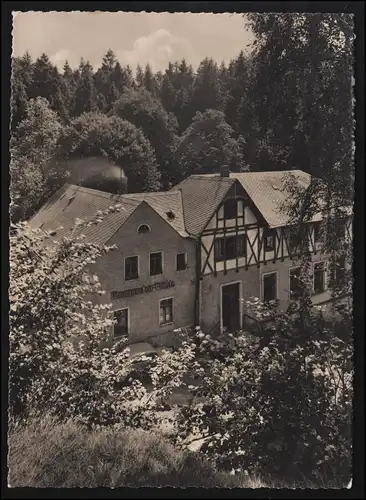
point(198, 283)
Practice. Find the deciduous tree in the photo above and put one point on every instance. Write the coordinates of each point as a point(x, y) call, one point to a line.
point(95, 134)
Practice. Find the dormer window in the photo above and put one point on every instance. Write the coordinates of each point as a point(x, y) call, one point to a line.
point(143, 228)
point(230, 209)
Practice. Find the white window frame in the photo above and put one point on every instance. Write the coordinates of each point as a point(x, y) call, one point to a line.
point(289, 280)
point(173, 315)
point(325, 262)
point(176, 262)
point(262, 284)
point(162, 263)
point(143, 224)
point(138, 268)
point(128, 321)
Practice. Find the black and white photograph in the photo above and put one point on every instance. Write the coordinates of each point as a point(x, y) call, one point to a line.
point(181, 250)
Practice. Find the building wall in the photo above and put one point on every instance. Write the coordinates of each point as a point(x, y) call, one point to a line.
point(251, 287)
point(283, 279)
point(144, 308)
point(210, 294)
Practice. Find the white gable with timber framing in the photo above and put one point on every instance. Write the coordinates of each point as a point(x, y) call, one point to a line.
point(259, 222)
point(244, 225)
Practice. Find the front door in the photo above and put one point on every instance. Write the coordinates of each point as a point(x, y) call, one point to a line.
point(230, 307)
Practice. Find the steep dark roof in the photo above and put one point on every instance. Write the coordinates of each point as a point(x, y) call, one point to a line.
point(202, 195)
point(268, 192)
point(72, 203)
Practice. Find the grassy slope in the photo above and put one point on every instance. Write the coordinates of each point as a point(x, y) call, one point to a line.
point(48, 454)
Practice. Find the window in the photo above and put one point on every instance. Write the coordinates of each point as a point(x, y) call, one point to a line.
point(317, 232)
point(269, 240)
point(181, 261)
point(121, 325)
point(166, 311)
point(144, 228)
point(295, 283)
point(319, 277)
point(131, 268)
point(230, 209)
point(340, 268)
point(156, 263)
point(230, 248)
point(269, 287)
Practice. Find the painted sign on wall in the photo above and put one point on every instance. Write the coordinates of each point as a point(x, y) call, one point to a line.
point(142, 289)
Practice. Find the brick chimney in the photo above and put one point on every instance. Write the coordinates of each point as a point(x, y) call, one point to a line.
point(225, 172)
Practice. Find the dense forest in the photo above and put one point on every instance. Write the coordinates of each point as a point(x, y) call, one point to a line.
point(287, 103)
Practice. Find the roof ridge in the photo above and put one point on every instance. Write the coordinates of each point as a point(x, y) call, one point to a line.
point(209, 177)
point(149, 193)
point(92, 191)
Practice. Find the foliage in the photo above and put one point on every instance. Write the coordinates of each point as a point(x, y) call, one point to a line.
point(60, 359)
point(208, 145)
point(95, 134)
point(85, 97)
point(158, 126)
point(32, 149)
point(300, 101)
point(280, 404)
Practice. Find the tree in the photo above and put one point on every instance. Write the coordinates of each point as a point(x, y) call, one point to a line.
point(302, 91)
point(237, 77)
point(149, 80)
point(207, 91)
point(85, 99)
point(148, 115)
point(176, 92)
point(21, 80)
point(33, 147)
point(95, 134)
point(122, 77)
point(208, 145)
point(69, 81)
point(139, 78)
point(59, 362)
point(104, 80)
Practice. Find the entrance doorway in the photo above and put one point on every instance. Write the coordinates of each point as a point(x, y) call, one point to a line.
point(230, 307)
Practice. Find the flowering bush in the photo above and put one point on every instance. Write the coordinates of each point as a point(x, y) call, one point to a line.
point(57, 361)
point(280, 404)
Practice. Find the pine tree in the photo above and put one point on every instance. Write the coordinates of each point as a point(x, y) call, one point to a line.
point(85, 99)
point(207, 92)
point(237, 83)
point(139, 79)
point(21, 80)
point(149, 80)
point(122, 77)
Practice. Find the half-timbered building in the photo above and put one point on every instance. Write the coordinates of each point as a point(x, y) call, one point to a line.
point(241, 228)
point(194, 255)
